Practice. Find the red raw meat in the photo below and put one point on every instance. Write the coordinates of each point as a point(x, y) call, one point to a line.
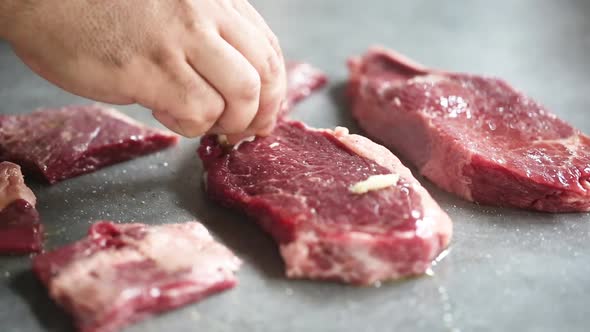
point(62, 143)
point(122, 273)
point(302, 80)
point(472, 135)
point(20, 229)
point(296, 183)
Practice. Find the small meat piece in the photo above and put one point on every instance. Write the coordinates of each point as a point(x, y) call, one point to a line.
point(302, 80)
point(62, 143)
point(472, 135)
point(20, 229)
point(316, 193)
point(121, 274)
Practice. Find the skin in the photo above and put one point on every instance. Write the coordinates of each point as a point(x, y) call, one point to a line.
point(201, 66)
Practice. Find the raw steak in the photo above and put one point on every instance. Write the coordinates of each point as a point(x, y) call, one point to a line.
point(20, 229)
point(120, 274)
point(62, 143)
point(305, 187)
point(302, 80)
point(472, 135)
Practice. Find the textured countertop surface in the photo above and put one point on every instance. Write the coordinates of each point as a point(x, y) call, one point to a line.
point(507, 270)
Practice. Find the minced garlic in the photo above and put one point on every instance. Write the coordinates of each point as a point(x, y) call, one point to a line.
point(374, 182)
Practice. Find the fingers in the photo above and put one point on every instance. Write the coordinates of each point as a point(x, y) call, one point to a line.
point(178, 96)
point(258, 51)
point(265, 55)
point(246, 9)
point(168, 121)
point(228, 78)
point(232, 76)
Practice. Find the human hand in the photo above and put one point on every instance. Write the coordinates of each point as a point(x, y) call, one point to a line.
point(200, 65)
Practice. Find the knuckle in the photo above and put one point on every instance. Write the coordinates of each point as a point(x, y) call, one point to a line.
point(162, 57)
point(271, 68)
point(188, 88)
point(249, 88)
point(274, 43)
point(213, 110)
point(196, 25)
point(184, 7)
point(276, 46)
point(191, 25)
